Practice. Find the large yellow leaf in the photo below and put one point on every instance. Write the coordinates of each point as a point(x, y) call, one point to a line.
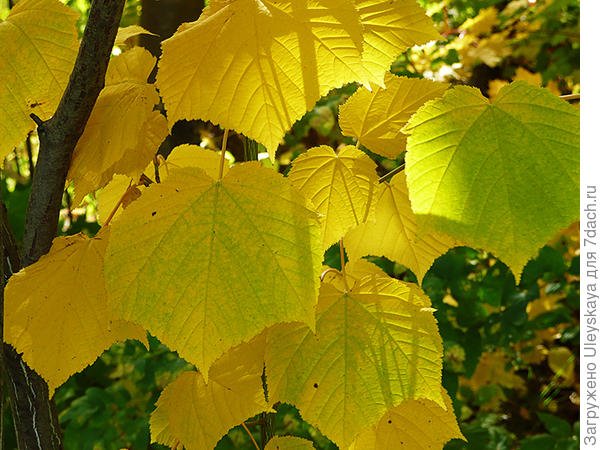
point(375, 346)
point(123, 132)
point(339, 185)
point(376, 117)
point(56, 310)
point(289, 443)
point(413, 425)
point(39, 47)
point(392, 231)
point(471, 165)
point(188, 155)
point(390, 27)
point(205, 264)
point(195, 413)
point(258, 66)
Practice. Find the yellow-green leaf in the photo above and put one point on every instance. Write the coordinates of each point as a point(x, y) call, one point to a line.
point(375, 346)
point(289, 443)
point(195, 413)
point(339, 185)
point(472, 166)
point(392, 231)
point(188, 155)
point(390, 27)
point(56, 310)
point(257, 67)
point(123, 132)
point(205, 264)
point(39, 47)
point(376, 117)
point(413, 425)
point(126, 35)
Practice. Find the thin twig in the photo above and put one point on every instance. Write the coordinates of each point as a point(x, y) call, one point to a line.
point(391, 173)
point(223, 149)
point(571, 97)
point(251, 437)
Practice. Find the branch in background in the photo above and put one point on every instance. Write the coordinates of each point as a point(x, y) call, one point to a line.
point(34, 414)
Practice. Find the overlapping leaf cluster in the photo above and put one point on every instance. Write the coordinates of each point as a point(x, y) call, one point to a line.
point(223, 264)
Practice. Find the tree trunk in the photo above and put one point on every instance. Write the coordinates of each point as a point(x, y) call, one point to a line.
point(36, 422)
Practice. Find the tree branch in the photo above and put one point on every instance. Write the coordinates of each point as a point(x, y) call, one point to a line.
point(36, 423)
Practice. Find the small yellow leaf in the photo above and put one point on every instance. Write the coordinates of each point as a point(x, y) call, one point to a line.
point(339, 185)
point(562, 362)
point(289, 443)
point(56, 310)
point(376, 117)
point(39, 47)
point(413, 425)
point(125, 35)
point(482, 23)
point(188, 155)
point(123, 132)
point(376, 345)
point(195, 413)
point(205, 264)
point(392, 231)
point(108, 197)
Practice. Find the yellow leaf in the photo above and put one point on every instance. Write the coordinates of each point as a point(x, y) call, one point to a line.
point(205, 264)
point(289, 443)
point(393, 232)
point(121, 189)
point(38, 53)
point(123, 132)
point(376, 117)
point(257, 67)
point(56, 310)
point(493, 368)
point(389, 29)
point(482, 23)
point(562, 362)
point(339, 185)
point(188, 155)
point(195, 413)
point(413, 425)
point(375, 346)
point(125, 35)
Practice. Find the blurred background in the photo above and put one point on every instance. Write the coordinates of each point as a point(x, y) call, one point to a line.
point(511, 352)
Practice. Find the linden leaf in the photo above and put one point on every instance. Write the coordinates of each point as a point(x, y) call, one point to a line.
point(471, 166)
point(205, 264)
point(123, 132)
point(413, 425)
point(257, 67)
point(375, 346)
point(339, 185)
point(35, 63)
point(113, 198)
point(56, 310)
point(376, 117)
point(196, 414)
point(392, 232)
point(289, 443)
point(389, 29)
point(188, 155)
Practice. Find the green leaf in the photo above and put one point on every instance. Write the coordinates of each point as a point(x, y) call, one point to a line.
point(555, 425)
point(503, 176)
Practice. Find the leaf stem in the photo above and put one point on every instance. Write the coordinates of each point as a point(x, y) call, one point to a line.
point(116, 207)
point(251, 437)
point(391, 173)
point(343, 263)
point(223, 149)
point(571, 97)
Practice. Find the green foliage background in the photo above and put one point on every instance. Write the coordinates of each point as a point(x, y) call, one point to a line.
point(481, 313)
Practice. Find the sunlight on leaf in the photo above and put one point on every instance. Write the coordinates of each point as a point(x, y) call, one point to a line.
point(472, 165)
point(339, 185)
point(289, 443)
point(392, 232)
point(376, 117)
point(375, 346)
point(413, 425)
point(56, 310)
point(205, 264)
point(35, 63)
